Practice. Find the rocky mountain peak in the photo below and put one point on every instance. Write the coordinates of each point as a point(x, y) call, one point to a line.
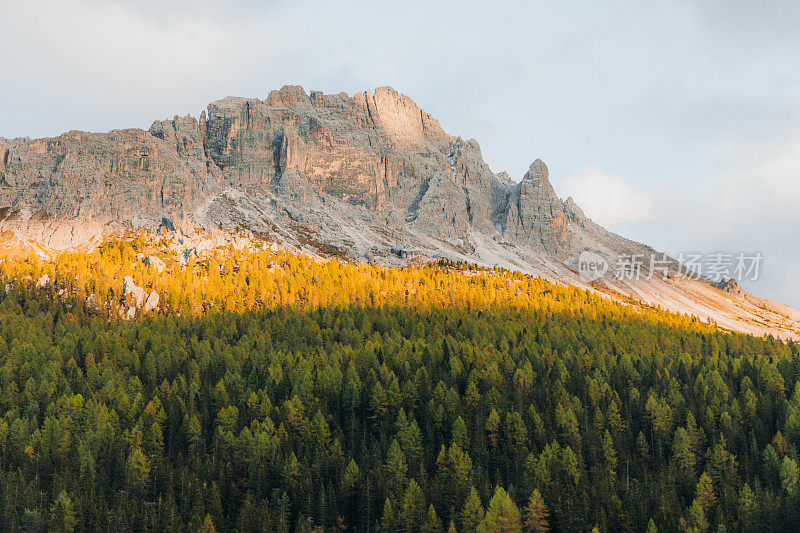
point(377, 156)
point(732, 287)
point(538, 171)
point(398, 115)
point(288, 96)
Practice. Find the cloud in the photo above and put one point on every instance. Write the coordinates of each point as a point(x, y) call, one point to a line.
point(607, 199)
point(768, 180)
point(759, 194)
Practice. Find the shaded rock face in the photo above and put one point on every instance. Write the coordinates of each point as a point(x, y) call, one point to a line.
point(118, 175)
point(376, 154)
point(535, 215)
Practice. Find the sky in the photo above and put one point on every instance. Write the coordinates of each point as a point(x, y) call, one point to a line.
point(675, 123)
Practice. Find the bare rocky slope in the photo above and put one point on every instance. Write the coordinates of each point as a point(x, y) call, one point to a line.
point(365, 177)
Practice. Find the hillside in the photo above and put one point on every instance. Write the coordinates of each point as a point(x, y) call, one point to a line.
point(272, 391)
point(369, 177)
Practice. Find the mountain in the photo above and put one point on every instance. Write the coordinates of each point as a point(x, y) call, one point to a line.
point(365, 177)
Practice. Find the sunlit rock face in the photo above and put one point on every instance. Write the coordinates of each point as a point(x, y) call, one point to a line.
point(361, 150)
point(376, 152)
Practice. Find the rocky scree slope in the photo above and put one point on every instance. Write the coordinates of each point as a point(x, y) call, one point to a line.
point(365, 177)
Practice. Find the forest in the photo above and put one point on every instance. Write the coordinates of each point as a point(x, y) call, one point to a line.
point(273, 391)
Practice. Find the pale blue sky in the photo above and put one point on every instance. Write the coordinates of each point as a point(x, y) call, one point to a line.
point(676, 124)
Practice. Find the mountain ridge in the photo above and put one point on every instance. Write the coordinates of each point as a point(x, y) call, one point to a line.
point(367, 177)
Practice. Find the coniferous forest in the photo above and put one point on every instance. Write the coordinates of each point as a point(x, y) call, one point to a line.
point(276, 392)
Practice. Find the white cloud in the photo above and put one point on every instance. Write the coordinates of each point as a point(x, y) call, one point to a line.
point(607, 199)
point(770, 178)
point(108, 46)
point(98, 65)
point(759, 189)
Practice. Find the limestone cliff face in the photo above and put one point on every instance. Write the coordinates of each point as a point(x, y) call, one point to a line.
point(110, 176)
point(536, 215)
point(376, 152)
point(356, 149)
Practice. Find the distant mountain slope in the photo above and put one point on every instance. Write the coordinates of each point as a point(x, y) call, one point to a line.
point(370, 177)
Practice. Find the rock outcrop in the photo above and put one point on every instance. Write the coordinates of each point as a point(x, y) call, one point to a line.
point(535, 215)
point(732, 287)
point(154, 262)
point(151, 304)
point(139, 299)
point(136, 293)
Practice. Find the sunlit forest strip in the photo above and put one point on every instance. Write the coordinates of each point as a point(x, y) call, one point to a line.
point(230, 280)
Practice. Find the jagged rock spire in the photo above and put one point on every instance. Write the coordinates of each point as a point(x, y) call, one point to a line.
point(536, 215)
point(538, 170)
